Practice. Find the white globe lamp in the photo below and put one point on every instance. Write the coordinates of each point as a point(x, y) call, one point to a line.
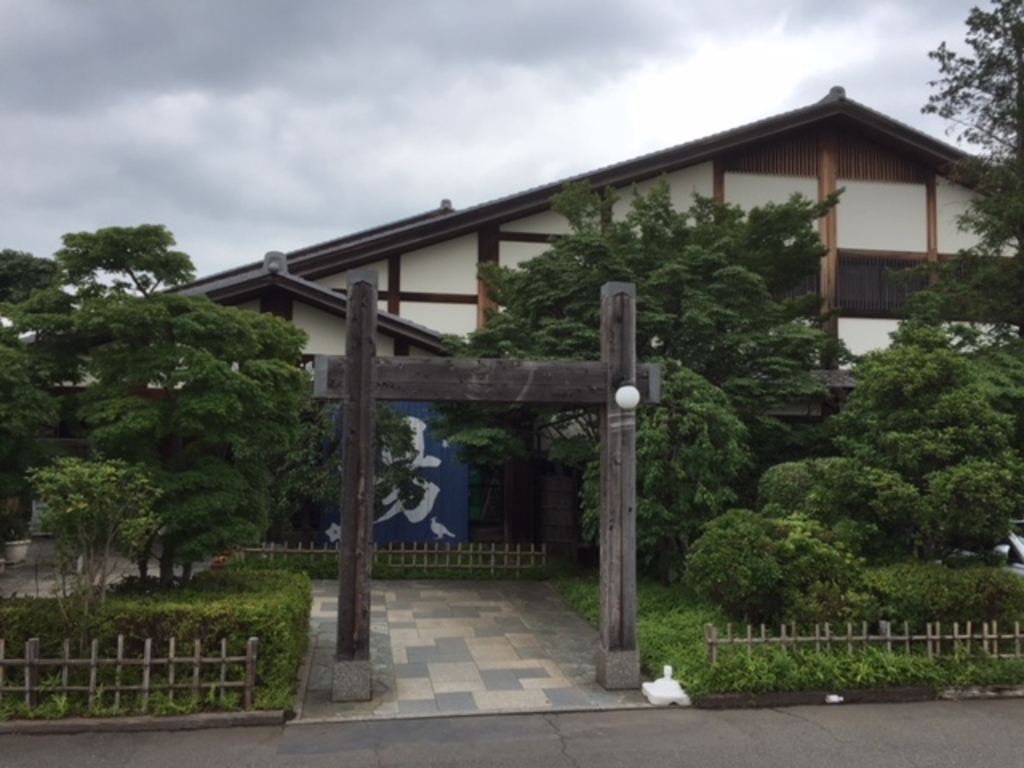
point(627, 397)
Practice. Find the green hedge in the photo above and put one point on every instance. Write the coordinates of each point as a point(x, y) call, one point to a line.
point(922, 592)
point(670, 630)
point(272, 606)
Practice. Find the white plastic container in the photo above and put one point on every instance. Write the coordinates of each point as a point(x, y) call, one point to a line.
point(665, 691)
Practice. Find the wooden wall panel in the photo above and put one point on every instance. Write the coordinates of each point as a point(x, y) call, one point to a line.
point(863, 160)
point(792, 157)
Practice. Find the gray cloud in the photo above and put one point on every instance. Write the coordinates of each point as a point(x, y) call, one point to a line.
point(246, 125)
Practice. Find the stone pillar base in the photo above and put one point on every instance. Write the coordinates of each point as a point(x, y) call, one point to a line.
point(618, 670)
point(352, 680)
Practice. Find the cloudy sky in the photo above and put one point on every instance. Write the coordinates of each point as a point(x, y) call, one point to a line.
point(253, 125)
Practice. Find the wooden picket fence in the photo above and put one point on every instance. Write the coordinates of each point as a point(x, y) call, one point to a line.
point(489, 557)
point(105, 680)
point(969, 637)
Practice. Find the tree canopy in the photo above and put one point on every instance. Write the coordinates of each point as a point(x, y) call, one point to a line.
point(203, 396)
point(711, 282)
point(21, 273)
point(982, 94)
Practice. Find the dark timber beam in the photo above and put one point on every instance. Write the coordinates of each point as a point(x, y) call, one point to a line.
point(618, 659)
point(353, 673)
point(468, 380)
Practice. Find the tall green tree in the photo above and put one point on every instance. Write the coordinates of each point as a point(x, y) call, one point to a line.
point(205, 397)
point(930, 465)
point(982, 93)
point(26, 408)
point(21, 273)
point(709, 282)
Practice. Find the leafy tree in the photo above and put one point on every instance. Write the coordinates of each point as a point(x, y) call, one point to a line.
point(21, 273)
point(983, 94)
point(204, 396)
point(708, 281)
point(96, 510)
point(25, 408)
point(930, 466)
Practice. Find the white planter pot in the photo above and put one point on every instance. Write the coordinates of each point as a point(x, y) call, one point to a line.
point(16, 551)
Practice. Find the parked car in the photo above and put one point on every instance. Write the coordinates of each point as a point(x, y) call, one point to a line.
point(1013, 549)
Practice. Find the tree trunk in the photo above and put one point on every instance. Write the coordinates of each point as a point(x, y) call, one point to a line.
point(167, 564)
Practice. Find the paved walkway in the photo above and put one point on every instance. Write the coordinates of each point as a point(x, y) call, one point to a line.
point(462, 648)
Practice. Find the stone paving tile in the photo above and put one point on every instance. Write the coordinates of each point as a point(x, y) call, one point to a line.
point(491, 630)
point(454, 671)
point(463, 649)
point(421, 707)
point(433, 633)
point(410, 689)
point(560, 697)
point(532, 652)
point(459, 702)
point(500, 680)
point(421, 653)
point(543, 683)
point(411, 670)
point(511, 701)
point(525, 672)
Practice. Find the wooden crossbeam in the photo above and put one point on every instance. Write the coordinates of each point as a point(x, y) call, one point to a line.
point(485, 380)
point(361, 378)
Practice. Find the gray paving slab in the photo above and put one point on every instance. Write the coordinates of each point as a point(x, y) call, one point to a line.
point(462, 648)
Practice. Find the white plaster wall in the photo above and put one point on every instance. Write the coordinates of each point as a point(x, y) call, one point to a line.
point(340, 280)
point(863, 335)
point(448, 267)
point(548, 223)
point(950, 202)
point(250, 306)
point(699, 179)
point(327, 332)
point(444, 318)
point(882, 216)
point(513, 254)
point(751, 190)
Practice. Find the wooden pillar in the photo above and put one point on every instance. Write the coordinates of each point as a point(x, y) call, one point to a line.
point(932, 224)
point(353, 673)
point(488, 251)
point(618, 660)
point(829, 228)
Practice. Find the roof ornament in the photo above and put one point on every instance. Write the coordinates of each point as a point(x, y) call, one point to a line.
point(446, 205)
point(835, 93)
point(275, 262)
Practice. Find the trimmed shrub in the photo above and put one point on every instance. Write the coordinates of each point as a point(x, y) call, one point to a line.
point(761, 569)
point(923, 592)
point(271, 606)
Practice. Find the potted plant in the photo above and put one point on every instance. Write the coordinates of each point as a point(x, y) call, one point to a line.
point(13, 531)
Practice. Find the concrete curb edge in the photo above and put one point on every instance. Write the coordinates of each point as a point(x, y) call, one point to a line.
point(202, 721)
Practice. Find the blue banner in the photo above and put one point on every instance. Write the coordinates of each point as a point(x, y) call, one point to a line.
point(442, 515)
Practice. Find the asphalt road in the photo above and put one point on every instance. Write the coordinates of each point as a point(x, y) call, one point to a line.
point(977, 734)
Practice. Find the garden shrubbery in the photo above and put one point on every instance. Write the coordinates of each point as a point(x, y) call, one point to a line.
point(271, 606)
point(762, 569)
point(922, 592)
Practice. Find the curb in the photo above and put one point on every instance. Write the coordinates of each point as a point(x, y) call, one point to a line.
point(73, 725)
point(809, 698)
point(982, 692)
